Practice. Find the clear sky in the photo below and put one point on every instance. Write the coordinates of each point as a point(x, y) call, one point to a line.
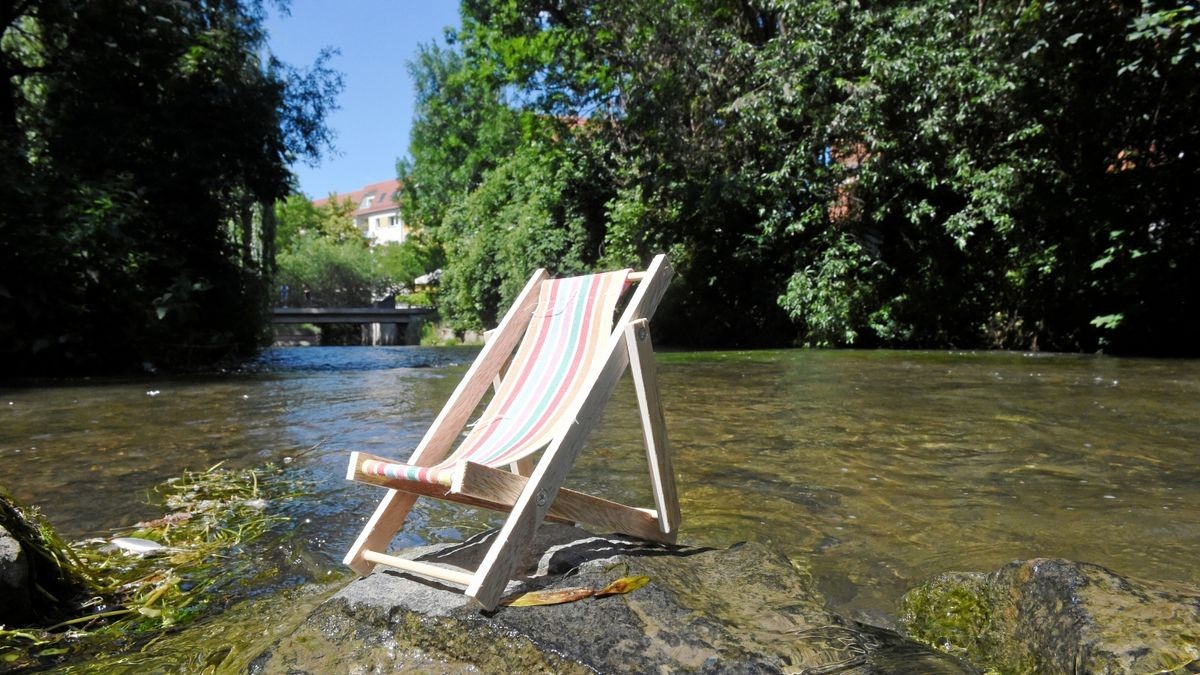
point(377, 38)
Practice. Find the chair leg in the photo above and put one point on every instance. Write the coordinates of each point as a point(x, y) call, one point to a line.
point(654, 428)
point(380, 529)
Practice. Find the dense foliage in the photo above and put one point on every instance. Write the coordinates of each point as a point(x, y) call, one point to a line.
point(1014, 174)
point(321, 250)
point(138, 141)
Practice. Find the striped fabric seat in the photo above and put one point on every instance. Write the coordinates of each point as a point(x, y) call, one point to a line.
point(563, 343)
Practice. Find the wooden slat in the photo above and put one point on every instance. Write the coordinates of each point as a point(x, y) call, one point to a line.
point(487, 337)
point(522, 467)
point(424, 489)
point(654, 425)
point(389, 516)
point(495, 485)
point(482, 486)
point(425, 569)
point(542, 487)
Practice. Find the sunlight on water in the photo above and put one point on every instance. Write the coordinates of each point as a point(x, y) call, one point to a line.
point(876, 469)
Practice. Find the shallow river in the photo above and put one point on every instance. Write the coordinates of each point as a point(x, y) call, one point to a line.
point(876, 469)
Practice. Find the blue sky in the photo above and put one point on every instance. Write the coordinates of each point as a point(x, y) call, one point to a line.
point(376, 38)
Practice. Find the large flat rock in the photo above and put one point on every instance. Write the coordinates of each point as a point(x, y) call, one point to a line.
point(743, 609)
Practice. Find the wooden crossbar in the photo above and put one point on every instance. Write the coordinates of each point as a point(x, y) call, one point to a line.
point(498, 490)
point(426, 569)
point(485, 482)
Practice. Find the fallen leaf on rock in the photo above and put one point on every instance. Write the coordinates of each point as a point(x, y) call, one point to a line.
point(558, 596)
point(623, 585)
point(550, 597)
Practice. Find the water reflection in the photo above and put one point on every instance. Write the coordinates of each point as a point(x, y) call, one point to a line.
point(877, 468)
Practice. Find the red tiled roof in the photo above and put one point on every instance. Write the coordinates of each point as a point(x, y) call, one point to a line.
point(385, 195)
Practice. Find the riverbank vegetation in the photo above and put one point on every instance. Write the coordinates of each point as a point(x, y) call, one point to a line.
point(1014, 174)
point(94, 596)
point(322, 251)
point(139, 143)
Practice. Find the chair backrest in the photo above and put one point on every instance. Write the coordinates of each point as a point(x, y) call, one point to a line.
point(565, 338)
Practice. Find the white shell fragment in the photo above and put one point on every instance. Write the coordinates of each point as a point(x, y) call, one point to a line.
point(137, 545)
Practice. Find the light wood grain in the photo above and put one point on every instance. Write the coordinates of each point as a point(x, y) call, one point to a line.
point(543, 485)
point(482, 486)
point(485, 483)
point(389, 516)
point(422, 568)
point(522, 467)
point(654, 425)
point(540, 496)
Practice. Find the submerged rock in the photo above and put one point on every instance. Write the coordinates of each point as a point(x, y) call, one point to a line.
point(744, 609)
point(1057, 616)
point(36, 579)
point(14, 581)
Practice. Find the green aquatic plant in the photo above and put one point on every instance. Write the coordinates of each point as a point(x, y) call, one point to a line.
point(952, 614)
point(960, 614)
point(154, 576)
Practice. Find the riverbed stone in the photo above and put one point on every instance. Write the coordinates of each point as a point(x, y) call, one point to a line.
point(742, 609)
point(1058, 616)
point(14, 581)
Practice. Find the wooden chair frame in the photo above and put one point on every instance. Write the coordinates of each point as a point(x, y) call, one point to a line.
point(533, 494)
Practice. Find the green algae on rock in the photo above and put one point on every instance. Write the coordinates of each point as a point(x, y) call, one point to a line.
point(116, 600)
point(742, 609)
point(1057, 616)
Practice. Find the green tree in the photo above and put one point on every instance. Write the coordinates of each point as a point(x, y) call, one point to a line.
point(335, 274)
point(461, 129)
point(398, 265)
point(1006, 174)
point(138, 143)
point(1022, 176)
point(298, 217)
point(518, 219)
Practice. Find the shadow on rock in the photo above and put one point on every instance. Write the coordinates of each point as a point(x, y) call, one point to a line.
point(742, 609)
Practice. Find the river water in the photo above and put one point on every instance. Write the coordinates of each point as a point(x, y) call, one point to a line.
point(876, 469)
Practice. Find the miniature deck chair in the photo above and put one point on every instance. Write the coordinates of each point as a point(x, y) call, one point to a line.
point(550, 395)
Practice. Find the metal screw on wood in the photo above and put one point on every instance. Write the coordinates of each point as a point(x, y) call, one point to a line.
point(641, 333)
point(541, 497)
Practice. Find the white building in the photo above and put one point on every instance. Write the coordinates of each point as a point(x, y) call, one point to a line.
point(377, 212)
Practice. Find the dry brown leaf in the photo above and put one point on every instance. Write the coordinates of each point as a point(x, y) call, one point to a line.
point(560, 595)
point(623, 585)
point(550, 597)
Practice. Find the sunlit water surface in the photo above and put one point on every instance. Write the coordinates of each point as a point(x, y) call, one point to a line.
point(876, 469)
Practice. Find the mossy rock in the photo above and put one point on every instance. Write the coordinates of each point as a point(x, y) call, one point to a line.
point(742, 609)
point(1057, 616)
point(40, 577)
point(16, 606)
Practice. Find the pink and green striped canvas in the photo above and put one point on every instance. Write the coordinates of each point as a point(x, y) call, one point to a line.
point(565, 338)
